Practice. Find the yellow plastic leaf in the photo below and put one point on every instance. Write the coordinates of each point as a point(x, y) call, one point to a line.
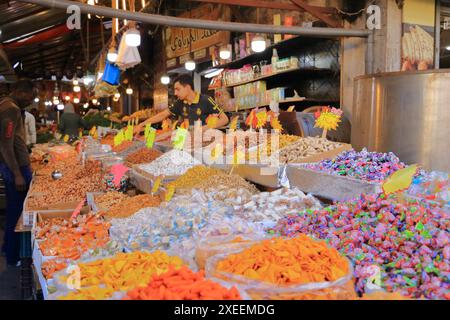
point(170, 192)
point(262, 118)
point(156, 185)
point(150, 140)
point(275, 123)
point(180, 138)
point(233, 123)
point(400, 180)
point(66, 138)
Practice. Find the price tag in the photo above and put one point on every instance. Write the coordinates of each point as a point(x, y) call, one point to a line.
point(150, 140)
point(77, 210)
point(261, 119)
point(275, 124)
point(118, 139)
point(400, 180)
point(129, 133)
point(234, 122)
point(156, 184)
point(170, 192)
point(180, 138)
point(291, 108)
point(66, 138)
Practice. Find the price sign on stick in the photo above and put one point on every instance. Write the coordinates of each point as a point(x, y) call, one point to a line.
point(77, 210)
point(233, 123)
point(150, 140)
point(66, 138)
point(400, 180)
point(156, 184)
point(180, 138)
point(170, 192)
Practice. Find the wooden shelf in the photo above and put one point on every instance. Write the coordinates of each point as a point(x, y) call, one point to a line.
point(283, 47)
point(300, 71)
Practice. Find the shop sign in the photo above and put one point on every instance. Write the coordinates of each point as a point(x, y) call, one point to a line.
point(180, 41)
point(171, 63)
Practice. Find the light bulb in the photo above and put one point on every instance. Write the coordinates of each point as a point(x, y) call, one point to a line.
point(56, 102)
point(117, 95)
point(108, 108)
point(76, 89)
point(67, 98)
point(112, 55)
point(129, 91)
point(60, 107)
point(94, 101)
point(75, 82)
point(190, 65)
point(225, 53)
point(86, 105)
point(36, 100)
point(115, 99)
point(165, 79)
point(133, 38)
point(76, 100)
point(447, 48)
point(258, 44)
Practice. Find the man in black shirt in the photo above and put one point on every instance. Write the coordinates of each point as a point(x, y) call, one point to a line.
point(190, 105)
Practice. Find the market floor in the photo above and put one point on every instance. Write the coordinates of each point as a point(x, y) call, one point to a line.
point(9, 277)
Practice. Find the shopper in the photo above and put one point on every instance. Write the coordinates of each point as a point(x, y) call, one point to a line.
point(30, 129)
point(14, 162)
point(190, 105)
point(71, 122)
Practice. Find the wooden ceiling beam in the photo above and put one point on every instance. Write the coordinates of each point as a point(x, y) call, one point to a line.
point(268, 5)
point(330, 21)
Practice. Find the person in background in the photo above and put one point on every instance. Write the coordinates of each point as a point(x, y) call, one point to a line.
point(14, 162)
point(190, 105)
point(71, 122)
point(30, 130)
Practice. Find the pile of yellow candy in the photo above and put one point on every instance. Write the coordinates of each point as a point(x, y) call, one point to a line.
point(99, 279)
point(195, 176)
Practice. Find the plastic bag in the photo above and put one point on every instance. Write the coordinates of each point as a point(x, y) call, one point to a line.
point(214, 245)
point(111, 74)
point(341, 289)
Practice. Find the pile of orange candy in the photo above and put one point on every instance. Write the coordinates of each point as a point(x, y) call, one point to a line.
point(50, 267)
point(183, 284)
point(67, 238)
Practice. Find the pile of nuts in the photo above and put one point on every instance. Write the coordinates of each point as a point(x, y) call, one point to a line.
point(143, 155)
point(123, 146)
point(131, 205)
point(72, 187)
point(109, 199)
point(232, 181)
point(195, 176)
point(305, 147)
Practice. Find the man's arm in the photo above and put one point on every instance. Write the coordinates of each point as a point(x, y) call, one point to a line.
point(8, 128)
point(214, 108)
point(155, 119)
point(32, 128)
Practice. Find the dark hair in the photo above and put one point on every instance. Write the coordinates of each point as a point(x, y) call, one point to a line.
point(24, 85)
point(184, 80)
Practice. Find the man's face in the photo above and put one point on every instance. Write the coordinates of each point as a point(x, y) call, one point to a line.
point(25, 98)
point(181, 92)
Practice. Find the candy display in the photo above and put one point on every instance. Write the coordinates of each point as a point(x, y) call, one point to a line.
point(407, 239)
point(364, 165)
point(172, 163)
point(143, 155)
point(70, 238)
point(277, 268)
point(303, 148)
point(271, 206)
point(122, 272)
point(131, 205)
point(434, 186)
point(283, 142)
point(50, 267)
point(182, 284)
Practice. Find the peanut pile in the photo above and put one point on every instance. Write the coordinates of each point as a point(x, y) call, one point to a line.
point(195, 176)
point(109, 199)
point(305, 147)
point(132, 205)
point(143, 155)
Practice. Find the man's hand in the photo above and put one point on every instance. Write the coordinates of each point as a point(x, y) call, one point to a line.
point(21, 185)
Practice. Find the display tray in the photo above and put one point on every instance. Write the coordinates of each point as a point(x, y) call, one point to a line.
point(328, 186)
point(144, 181)
point(260, 174)
point(44, 284)
point(324, 155)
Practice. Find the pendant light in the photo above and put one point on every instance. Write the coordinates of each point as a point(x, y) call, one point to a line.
point(36, 100)
point(132, 36)
point(94, 101)
point(86, 105)
point(75, 82)
point(76, 89)
point(224, 53)
point(165, 79)
point(117, 95)
point(67, 98)
point(190, 64)
point(76, 100)
point(129, 91)
point(258, 44)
